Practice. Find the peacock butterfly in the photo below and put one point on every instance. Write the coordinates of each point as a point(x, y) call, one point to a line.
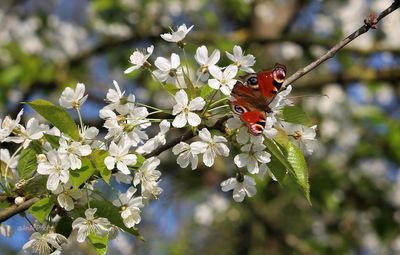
point(251, 96)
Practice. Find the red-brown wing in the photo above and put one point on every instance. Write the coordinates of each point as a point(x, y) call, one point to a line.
point(270, 81)
point(245, 101)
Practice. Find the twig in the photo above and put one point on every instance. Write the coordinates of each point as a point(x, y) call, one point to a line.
point(370, 22)
point(15, 209)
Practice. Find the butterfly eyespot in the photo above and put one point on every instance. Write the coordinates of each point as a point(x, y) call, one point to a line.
point(279, 74)
point(239, 109)
point(257, 129)
point(252, 81)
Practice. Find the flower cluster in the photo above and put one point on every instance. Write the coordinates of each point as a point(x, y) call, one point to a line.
point(72, 159)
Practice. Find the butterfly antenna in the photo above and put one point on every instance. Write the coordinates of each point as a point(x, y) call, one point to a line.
point(310, 95)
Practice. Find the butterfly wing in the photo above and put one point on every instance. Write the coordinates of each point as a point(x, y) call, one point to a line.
point(270, 81)
point(250, 97)
point(242, 103)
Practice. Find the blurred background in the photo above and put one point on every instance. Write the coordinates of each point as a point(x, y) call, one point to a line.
point(46, 45)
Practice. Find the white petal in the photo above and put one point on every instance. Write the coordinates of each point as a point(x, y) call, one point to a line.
point(241, 160)
point(179, 121)
point(216, 72)
point(123, 168)
point(109, 162)
point(196, 104)
point(208, 157)
point(193, 119)
point(205, 135)
point(181, 98)
point(198, 147)
point(175, 61)
point(162, 63)
point(214, 83)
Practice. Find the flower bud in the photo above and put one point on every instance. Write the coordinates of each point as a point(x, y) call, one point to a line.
point(20, 184)
point(19, 200)
point(41, 158)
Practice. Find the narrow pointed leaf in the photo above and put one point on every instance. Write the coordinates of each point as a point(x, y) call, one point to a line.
point(27, 163)
point(99, 243)
point(41, 209)
point(80, 176)
point(98, 157)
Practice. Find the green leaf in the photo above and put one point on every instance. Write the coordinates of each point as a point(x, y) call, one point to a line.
point(64, 226)
point(291, 157)
point(278, 169)
point(299, 169)
point(277, 152)
point(294, 114)
point(27, 162)
point(98, 157)
point(80, 176)
point(42, 208)
point(56, 116)
point(205, 91)
point(140, 160)
point(99, 243)
point(53, 140)
point(107, 210)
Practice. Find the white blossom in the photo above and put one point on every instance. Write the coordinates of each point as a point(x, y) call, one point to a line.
point(281, 100)
point(72, 151)
point(242, 62)
point(157, 140)
point(139, 59)
point(148, 176)
point(130, 207)
point(223, 81)
point(7, 125)
point(210, 146)
point(33, 131)
point(184, 110)
point(205, 62)
point(186, 155)
point(117, 101)
point(56, 168)
point(99, 226)
point(120, 156)
point(242, 187)
point(88, 135)
point(73, 98)
point(178, 35)
point(253, 154)
point(304, 136)
point(44, 243)
point(170, 71)
point(66, 196)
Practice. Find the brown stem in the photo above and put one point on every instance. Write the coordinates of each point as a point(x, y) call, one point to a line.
point(371, 22)
point(15, 209)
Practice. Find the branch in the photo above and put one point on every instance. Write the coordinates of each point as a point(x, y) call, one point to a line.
point(370, 22)
point(15, 209)
point(313, 82)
